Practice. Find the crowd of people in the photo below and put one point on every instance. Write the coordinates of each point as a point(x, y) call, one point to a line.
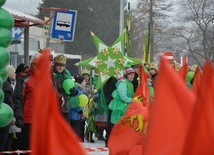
point(105, 107)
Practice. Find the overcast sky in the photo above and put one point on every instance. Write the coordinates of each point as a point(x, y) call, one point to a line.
point(30, 6)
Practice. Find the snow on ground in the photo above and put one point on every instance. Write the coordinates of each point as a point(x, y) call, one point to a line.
point(97, 148)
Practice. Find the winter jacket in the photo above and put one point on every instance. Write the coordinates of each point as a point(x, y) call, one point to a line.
point(28, 96)
point(17, 94)
point(8, 91)
point(59, 78)
point(76, 111)
point(122, 96)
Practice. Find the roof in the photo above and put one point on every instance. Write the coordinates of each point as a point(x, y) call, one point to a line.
point(22, 19)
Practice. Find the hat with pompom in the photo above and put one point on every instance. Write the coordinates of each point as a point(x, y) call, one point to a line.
point(129, 71)
point(78, 78)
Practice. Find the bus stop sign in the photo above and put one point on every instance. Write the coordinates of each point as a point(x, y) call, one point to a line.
point(63, 26)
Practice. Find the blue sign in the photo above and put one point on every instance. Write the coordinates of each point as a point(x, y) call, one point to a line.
point(17, 33)
point(63, 26)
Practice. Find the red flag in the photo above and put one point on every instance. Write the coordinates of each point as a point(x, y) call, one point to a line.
point(138, 110)
point(183, 72)
point(170, 116)
point(50, 135)
point(196, 80)
point(142, 89)
point(200, 139)
point(129, 130)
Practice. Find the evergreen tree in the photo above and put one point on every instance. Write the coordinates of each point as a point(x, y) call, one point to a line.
point(98, 16)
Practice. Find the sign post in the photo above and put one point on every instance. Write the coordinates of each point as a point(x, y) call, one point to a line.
point(63, 26)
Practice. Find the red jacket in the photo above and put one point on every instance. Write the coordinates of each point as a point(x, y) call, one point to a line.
point(28, 98)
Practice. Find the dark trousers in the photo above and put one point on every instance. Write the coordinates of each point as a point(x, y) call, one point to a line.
point(23, 138)
point(4, 132)
point(78, 126)
point(67, 117)
point(109, 126)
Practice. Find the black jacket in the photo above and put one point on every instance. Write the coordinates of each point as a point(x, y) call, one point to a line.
point(8, 91)
point(135, 81)
point(108, 88)
point(17, 94)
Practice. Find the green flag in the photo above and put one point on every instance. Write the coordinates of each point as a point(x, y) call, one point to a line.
point(127, 32)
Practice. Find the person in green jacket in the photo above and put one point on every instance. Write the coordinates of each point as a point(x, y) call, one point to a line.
point(60, 74)
point(122, 96)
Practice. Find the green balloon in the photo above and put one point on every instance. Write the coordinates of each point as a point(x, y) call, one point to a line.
point(6, 19)
point(1, 96)
point(5, 57)
point(4, 74)
point(2, 2)
point(73, 101)
point(5, 37)
point(6, 115)
point(67, 84)
point(190, 75)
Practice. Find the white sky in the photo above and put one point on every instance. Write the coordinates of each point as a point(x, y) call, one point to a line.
point(30, 6)
point(26, 6)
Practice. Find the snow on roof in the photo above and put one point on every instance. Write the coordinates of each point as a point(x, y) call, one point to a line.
point(22, 19)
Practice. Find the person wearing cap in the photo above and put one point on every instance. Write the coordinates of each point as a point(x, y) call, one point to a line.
point(21, 69)
point(61, 74)
point(122, 96)
point(77, 119)
point(23, 98)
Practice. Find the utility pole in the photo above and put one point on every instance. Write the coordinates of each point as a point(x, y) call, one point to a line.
point(121, 27)
point(151, 32)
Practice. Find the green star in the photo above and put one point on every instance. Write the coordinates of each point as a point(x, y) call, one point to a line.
point(110, 61)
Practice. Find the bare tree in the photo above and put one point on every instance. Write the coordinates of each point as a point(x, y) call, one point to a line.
point(196, 28)
point(160, 16)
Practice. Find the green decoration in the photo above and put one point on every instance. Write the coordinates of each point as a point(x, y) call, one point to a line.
point(1, 83)
point(5, 57)
point(6, 19)
point(4, 74)
point(190, 76)
point(1, 96)
point(6, 23)
point(67, 85)
point(110, 61)
point(119, 43)
point(6, 114)
point(83, 100)
point(74, 101)
point(2, 2)
point(5, 37)
point(98, 43)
